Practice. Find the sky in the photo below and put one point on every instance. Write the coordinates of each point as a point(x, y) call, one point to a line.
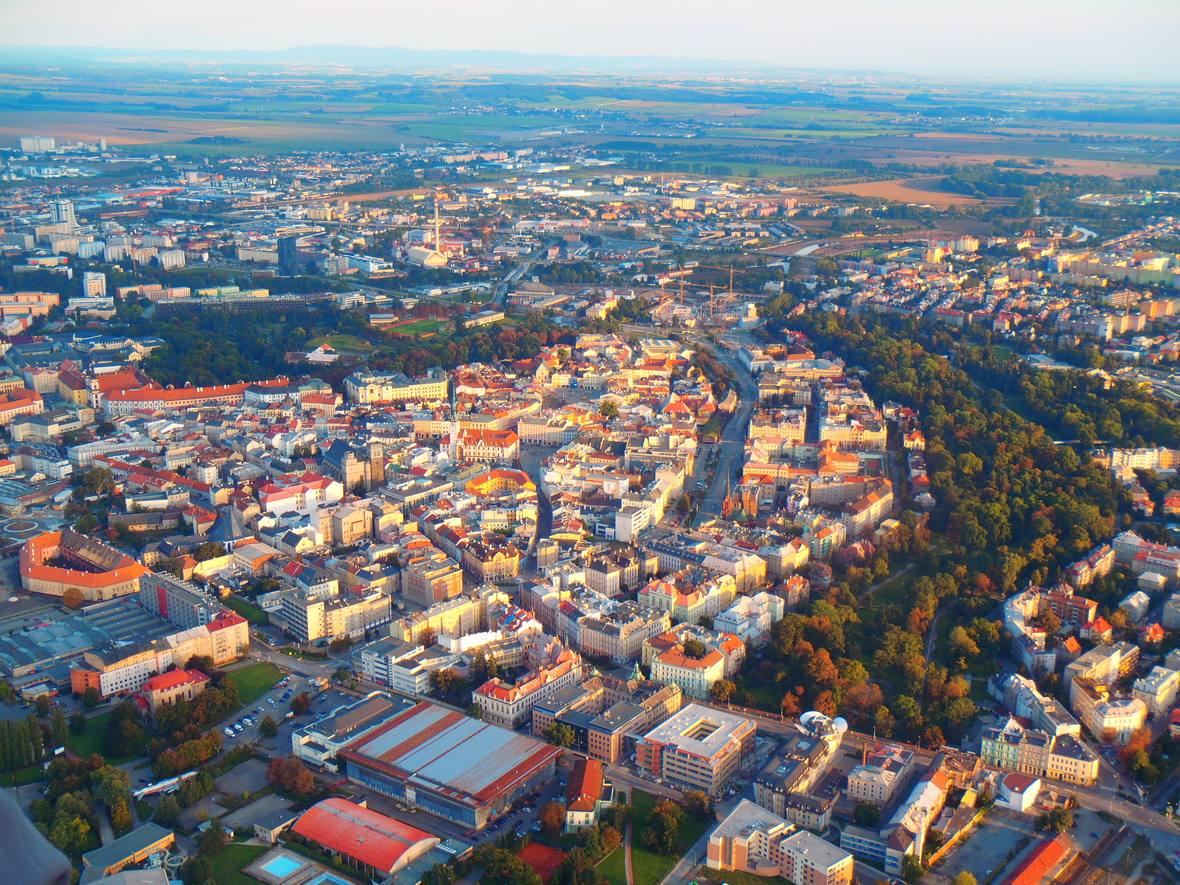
point(1063, 40)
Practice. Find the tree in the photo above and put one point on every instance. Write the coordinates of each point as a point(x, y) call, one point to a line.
point(445, 682)
point(552, 818)
point(291, 776)
point(698, 804)
point(963, 878)
point(866, 814)
point(121, 820)
point(722, 691)
point(70, 834)
point(42, 705)
point(1058, 820)
point(59, 728)
point(560, 734)
point(213, 840)
point(78, 723)
point(694, 648)
point(91, 698)
point(168, 811)
point(301, 703)
point(912, 869)
point(268, 727)
point(439, 874)
point(662, 833)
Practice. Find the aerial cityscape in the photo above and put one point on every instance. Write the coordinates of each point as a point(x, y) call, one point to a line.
point(465, 451)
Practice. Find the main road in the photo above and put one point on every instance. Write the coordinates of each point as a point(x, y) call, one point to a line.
point(732, 446)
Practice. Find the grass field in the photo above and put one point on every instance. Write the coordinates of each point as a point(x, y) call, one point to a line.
point(30, 775)
point(247, 610)
point(91, 742)
point(648, 867)
point(343, 343)
point(227, 865)
point(418, 328)
point(614, 867)
point(255, 680)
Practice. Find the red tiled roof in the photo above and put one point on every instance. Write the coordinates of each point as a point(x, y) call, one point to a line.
point(1035, 868)
point(364, 835)
point(174, 679)
point(585, 785)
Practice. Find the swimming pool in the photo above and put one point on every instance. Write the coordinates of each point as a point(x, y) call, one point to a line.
point(327, 879)
point(283, 865)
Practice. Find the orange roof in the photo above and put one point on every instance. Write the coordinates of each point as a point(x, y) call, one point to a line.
point(178, 394)
point(174, 679)
point(361, 834)
point(1035, 868)
point(585, 785)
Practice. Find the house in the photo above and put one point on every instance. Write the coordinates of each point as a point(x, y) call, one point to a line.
point(1018, 792)
point(587, 795)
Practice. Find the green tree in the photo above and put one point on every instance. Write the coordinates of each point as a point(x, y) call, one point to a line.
point(168, 811)
point(268, 727)
point(70, 834)
point(560, 734)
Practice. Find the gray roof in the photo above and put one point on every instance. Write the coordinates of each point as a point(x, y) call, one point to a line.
point(96, 862)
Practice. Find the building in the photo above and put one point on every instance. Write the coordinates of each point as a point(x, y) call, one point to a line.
point(310, 618)
point(133, 848)
point(431, 577)
point(358, 837)
point(1039, 864)
point(182, 603)
point(753, 840)
point(172, 686)
point(587, 795)
point(673, 658)
point(318, 743)
point(1157, 690)
point(884, 768)
point(699, 747)
point(510, 704)
point(94, 285)
point(448, 764)
point(1033, 752)
point(66, 564)
point(370, 388)
point(288, 255)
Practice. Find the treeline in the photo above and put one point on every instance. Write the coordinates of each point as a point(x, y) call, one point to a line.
point(1078, 405)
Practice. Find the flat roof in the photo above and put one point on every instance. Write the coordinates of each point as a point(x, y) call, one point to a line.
point(451, 754)
point(700, 730)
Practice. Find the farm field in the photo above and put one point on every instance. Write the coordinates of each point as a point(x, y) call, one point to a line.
point(905, 190)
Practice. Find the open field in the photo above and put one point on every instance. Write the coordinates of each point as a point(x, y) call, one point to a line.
point(254, 681)
point(342, 343)
point(419, 328)
point(93, 739)
point(905, 190)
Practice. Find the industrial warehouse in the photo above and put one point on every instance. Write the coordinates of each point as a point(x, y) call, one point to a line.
point(448, 764)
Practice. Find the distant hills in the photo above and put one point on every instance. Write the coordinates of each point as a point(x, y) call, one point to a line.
point(372, 57)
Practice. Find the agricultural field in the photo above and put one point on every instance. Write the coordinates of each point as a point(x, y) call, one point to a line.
point(905, 190)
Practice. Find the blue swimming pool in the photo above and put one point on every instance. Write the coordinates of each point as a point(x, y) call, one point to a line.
point(328, 879)
point(283, 865)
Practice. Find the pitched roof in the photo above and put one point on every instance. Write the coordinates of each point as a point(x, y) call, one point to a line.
point(366, 836)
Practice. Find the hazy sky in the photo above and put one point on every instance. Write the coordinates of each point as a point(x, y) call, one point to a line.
point(1058, 39)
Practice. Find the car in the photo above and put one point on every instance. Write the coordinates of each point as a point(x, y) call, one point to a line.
point(237, 728)
point(229, 732)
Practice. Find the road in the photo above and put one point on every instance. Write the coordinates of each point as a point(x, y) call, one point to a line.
point(732, 446)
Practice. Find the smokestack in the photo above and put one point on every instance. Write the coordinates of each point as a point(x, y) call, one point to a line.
point(437, 238)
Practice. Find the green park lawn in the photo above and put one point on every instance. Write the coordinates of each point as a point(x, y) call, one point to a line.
point(227, 864)
point(614, 867)
point(648, 867)
point(248, 610)
point(255, 680)
point(93, 740)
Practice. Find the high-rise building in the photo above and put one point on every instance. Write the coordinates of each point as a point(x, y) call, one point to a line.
point(94, 284)
point(63, 213)
point(288, 256)
point(37, 144)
